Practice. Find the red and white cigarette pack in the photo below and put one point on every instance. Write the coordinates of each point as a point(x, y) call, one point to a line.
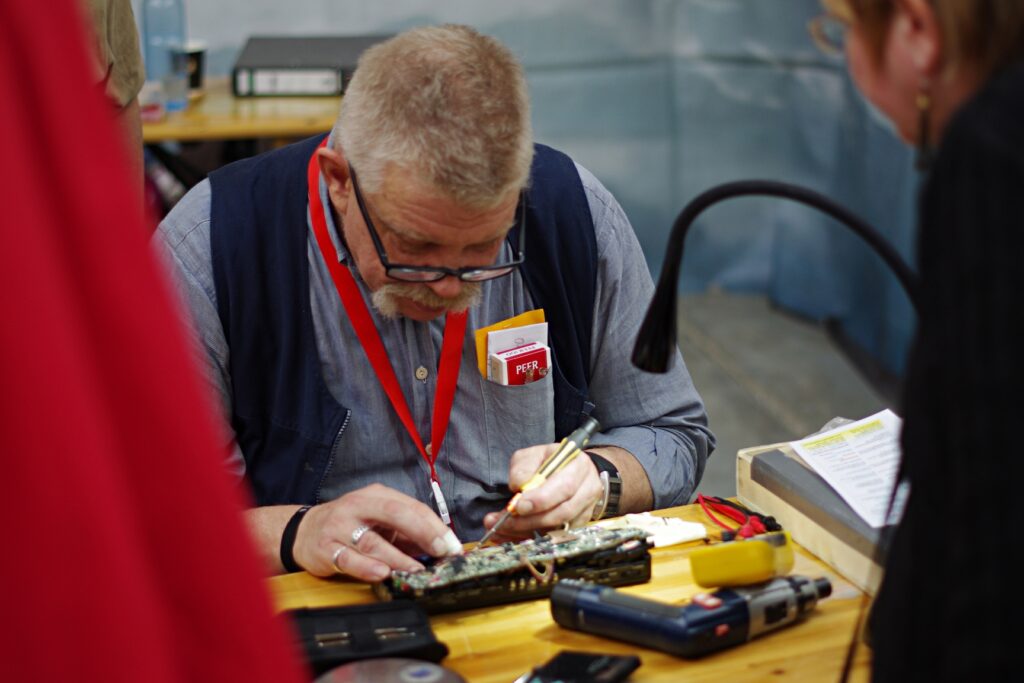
point(521, 365)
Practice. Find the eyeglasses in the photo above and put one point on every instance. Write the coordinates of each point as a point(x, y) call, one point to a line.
point(406, 273)
point(829, 34)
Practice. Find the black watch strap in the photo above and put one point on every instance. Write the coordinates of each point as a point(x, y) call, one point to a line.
point(611, 509)
point(291, 530)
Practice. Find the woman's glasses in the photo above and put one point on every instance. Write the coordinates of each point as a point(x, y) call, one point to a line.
point(829, 34)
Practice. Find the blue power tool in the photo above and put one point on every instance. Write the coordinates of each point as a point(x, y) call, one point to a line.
point(709, 622)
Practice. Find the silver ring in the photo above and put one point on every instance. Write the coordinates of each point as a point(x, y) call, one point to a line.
point(335, 556)
point(358, 532)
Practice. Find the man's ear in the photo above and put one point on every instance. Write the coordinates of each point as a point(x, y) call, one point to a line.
point(917, 27)
point(334, 170)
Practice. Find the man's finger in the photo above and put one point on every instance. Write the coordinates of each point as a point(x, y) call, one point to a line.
point(410, 518)
point(577, 480)
point(372, 544)
point(568, 511)
point(349, 561)
point(525, 462)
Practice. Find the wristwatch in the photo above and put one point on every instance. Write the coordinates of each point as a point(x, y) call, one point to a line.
point(608, 505)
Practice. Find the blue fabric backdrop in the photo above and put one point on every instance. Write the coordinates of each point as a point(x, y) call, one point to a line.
point(662, 99)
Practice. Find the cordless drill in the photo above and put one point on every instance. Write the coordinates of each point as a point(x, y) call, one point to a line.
point(709, 622)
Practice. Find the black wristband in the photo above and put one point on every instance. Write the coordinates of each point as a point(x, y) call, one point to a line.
point(291, 530)
point(611, 507)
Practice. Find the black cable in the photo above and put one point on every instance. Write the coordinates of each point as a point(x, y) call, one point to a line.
point(656, 341)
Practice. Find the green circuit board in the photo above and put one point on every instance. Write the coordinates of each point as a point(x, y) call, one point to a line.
point(524, 569)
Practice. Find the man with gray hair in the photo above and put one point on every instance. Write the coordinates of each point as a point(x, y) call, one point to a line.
point(335, 286)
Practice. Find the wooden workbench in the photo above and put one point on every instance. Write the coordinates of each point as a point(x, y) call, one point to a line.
point(219, 115)
point(498, 644)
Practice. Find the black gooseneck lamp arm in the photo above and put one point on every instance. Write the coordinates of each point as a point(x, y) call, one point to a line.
point(657, 338)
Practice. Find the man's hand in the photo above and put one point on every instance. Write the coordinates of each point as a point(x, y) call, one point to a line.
point(324, 544)
point(567, 496)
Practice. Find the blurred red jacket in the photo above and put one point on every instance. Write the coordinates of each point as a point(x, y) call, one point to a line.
point(125, 557)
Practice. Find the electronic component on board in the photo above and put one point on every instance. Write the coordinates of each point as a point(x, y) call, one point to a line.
point(523, 570)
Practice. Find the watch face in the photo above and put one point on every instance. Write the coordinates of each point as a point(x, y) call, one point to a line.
point(608, 470)
point(614, 493)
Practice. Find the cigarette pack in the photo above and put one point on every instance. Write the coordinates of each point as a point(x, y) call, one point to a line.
point(521, 365)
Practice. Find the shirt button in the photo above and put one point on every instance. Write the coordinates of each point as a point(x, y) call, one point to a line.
point(421, 373)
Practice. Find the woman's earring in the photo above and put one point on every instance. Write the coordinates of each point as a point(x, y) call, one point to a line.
point(924, 142)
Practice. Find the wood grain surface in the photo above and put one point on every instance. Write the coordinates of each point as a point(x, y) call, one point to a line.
point(219, 115)
point(500, 643)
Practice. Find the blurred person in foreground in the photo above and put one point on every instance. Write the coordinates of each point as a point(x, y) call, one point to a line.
point(125, 557)
point(427, 214)
point(949, 74)
point(119, 72)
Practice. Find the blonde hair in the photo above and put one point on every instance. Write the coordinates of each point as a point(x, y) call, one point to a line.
point(446, 103)
point(984, 34)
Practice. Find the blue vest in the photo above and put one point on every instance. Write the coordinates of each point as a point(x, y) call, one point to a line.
point(285, 419)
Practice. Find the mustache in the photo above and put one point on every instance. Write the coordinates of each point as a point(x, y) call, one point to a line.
point(385, 299)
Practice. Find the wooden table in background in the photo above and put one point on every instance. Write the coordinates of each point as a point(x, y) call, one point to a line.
point(219, 115)
point(498, 644)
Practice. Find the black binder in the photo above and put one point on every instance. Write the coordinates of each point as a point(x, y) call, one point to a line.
point(298, 66)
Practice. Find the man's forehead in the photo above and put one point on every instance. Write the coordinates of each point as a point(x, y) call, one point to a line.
point(413, 208)
point(402, 181)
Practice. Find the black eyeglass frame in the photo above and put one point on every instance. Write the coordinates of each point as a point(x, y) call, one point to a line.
point(407, 273)
point(829, 33)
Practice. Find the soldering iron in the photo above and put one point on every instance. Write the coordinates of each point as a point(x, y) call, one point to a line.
point(709, 622)
point(566, 452)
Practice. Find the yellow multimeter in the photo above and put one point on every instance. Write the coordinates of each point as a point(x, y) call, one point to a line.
point(739, 563)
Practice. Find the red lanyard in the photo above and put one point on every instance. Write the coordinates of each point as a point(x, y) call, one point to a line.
point(359, 315)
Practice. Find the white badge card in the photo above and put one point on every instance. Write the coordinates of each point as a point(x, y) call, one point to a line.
point(442, 506)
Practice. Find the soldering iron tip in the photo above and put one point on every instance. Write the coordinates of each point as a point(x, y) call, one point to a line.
point(493, 529)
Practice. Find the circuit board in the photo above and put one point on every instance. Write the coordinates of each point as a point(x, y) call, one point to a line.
point(525, 569)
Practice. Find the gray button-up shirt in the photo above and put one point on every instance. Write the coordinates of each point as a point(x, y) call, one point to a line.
point(660, 419)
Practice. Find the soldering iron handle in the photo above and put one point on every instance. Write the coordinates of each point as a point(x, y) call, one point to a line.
point(567, 451)
point(563, 455)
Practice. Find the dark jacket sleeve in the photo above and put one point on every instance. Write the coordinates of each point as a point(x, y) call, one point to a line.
point(947, 605)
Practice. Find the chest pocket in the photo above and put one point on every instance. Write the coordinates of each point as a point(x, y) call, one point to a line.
point(516, 417)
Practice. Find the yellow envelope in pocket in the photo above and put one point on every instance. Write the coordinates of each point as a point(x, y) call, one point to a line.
point(528, 318)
